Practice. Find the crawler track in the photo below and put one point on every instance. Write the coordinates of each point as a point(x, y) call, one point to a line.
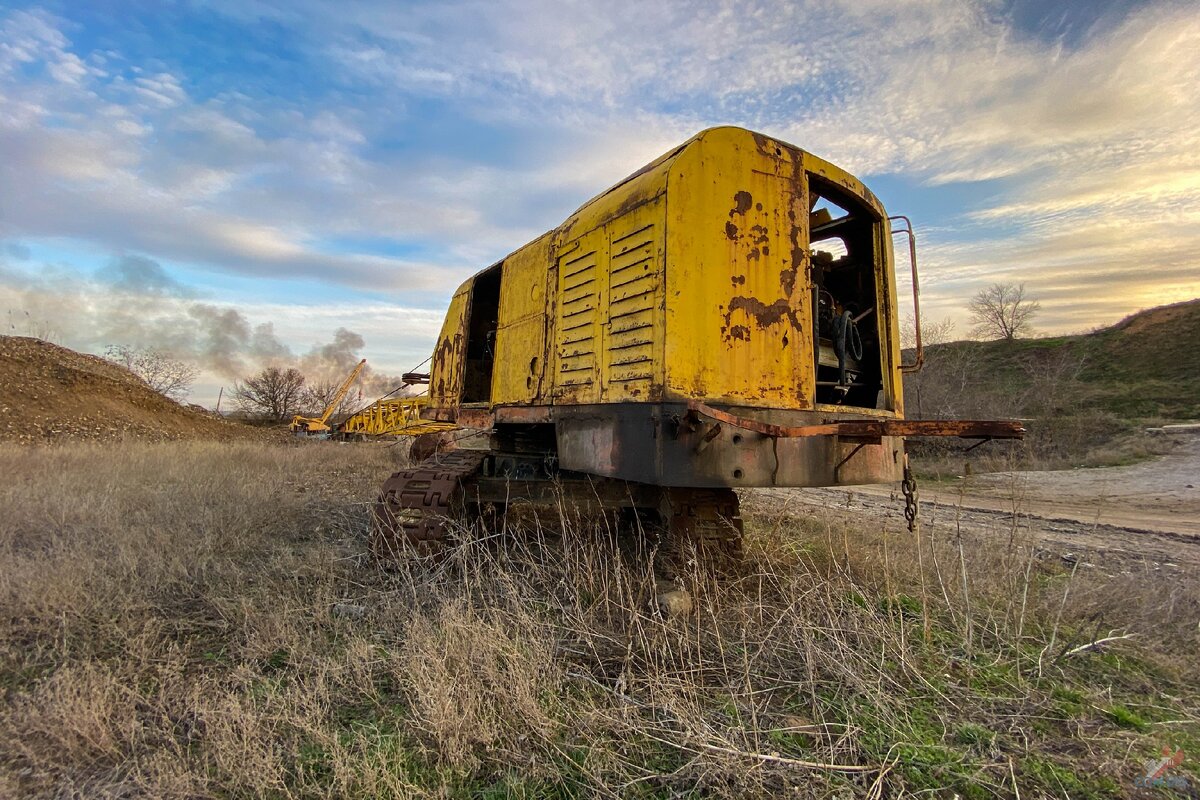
point(415, 504)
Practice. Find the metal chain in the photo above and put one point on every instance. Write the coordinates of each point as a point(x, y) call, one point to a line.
point(909, 487)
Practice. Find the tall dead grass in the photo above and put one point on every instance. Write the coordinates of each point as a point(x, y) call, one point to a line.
point(200, 620)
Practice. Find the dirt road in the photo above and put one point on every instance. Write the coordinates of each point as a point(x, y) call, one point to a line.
point(1148, 512)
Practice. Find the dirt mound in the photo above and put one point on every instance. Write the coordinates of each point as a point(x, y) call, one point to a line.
point(48, 392)
point(1151, 318)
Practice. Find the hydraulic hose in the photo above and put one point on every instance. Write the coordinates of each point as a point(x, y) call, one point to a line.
point(846, 341)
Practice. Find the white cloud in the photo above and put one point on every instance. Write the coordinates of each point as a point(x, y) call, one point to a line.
point(134, 302)
point(162, 90)
point(1098, 142)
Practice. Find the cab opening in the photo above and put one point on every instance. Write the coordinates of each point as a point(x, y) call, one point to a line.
point(844, 237)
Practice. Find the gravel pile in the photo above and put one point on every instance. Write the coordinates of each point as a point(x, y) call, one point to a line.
point(48, 392)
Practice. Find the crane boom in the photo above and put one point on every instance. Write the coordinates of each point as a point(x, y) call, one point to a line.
point(306, 425)
point(341, 392)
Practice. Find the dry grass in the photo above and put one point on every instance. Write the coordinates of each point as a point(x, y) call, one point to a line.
point(199, 620)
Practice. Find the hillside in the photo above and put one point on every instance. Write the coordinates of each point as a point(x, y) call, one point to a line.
point(1145, 367)
point(49, 392)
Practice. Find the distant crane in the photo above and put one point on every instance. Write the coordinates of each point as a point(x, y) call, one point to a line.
point(307, 426)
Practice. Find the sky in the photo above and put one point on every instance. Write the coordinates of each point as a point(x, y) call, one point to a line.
point(243, 182)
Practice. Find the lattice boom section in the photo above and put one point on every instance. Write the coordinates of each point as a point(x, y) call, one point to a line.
point(398, 417)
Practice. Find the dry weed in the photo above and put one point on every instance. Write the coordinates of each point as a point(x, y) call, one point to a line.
point(201, 620)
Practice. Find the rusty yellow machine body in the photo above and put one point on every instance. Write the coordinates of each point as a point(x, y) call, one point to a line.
point(699, 278)
point(725, 317)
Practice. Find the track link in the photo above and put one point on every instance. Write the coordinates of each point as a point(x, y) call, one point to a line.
point(708, 520)
point(414, 505)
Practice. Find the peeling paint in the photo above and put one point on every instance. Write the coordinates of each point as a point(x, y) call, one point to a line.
point(742, 202)
point(763, 315)
point(787, 280)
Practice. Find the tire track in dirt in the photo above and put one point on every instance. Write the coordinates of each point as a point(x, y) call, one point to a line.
point(1146, 513)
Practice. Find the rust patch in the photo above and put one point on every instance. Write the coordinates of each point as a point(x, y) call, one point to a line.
point(524, 414)
point(752, 255)
point(766, 251)
point(797, 254)
point(740, 332)
point(731, 231)
point(738, 280)
point(787, 280)
point(634, 200)
point(763, 315)
point(741, 203)
point(758, 206)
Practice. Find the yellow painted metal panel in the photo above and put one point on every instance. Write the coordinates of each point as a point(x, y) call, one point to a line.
point(578, 332)
point(885, 290)
point(517, 377)
point(690, 279)
point(738, 312)
point(608, 314)
point(446, 368)
point(633, 329)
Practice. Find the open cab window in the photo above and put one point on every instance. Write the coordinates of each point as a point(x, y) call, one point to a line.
point(848, 347)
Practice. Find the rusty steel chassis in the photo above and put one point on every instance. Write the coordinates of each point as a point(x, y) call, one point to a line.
point(415, 505)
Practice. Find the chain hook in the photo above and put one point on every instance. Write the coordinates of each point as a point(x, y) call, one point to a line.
point(911, 496)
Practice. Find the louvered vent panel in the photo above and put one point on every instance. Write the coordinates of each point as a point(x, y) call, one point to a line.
point(633, 282)
point(577, 307)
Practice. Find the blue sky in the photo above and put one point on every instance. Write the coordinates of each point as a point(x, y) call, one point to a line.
point(237, 181)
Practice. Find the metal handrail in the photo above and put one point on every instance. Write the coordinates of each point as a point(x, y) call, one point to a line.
point(912, 258)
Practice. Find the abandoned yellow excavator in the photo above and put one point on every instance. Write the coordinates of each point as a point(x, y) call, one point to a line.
point(723, 318)
point(307, 426)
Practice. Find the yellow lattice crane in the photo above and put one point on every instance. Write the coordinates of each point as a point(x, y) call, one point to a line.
point(310, 425)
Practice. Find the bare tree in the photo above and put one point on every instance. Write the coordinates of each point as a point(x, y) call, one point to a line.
point(317, 397)
point(274, 392)
point(1052, 382)
point(1002, 311)
point(163, 374)
point(930, 392)
point(933, 332)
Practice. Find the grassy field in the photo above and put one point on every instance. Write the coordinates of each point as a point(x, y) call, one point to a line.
point(1086, 399)
point(200, 620)
point(1144, 368)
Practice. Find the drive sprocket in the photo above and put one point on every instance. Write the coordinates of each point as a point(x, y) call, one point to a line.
point(414, 505)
